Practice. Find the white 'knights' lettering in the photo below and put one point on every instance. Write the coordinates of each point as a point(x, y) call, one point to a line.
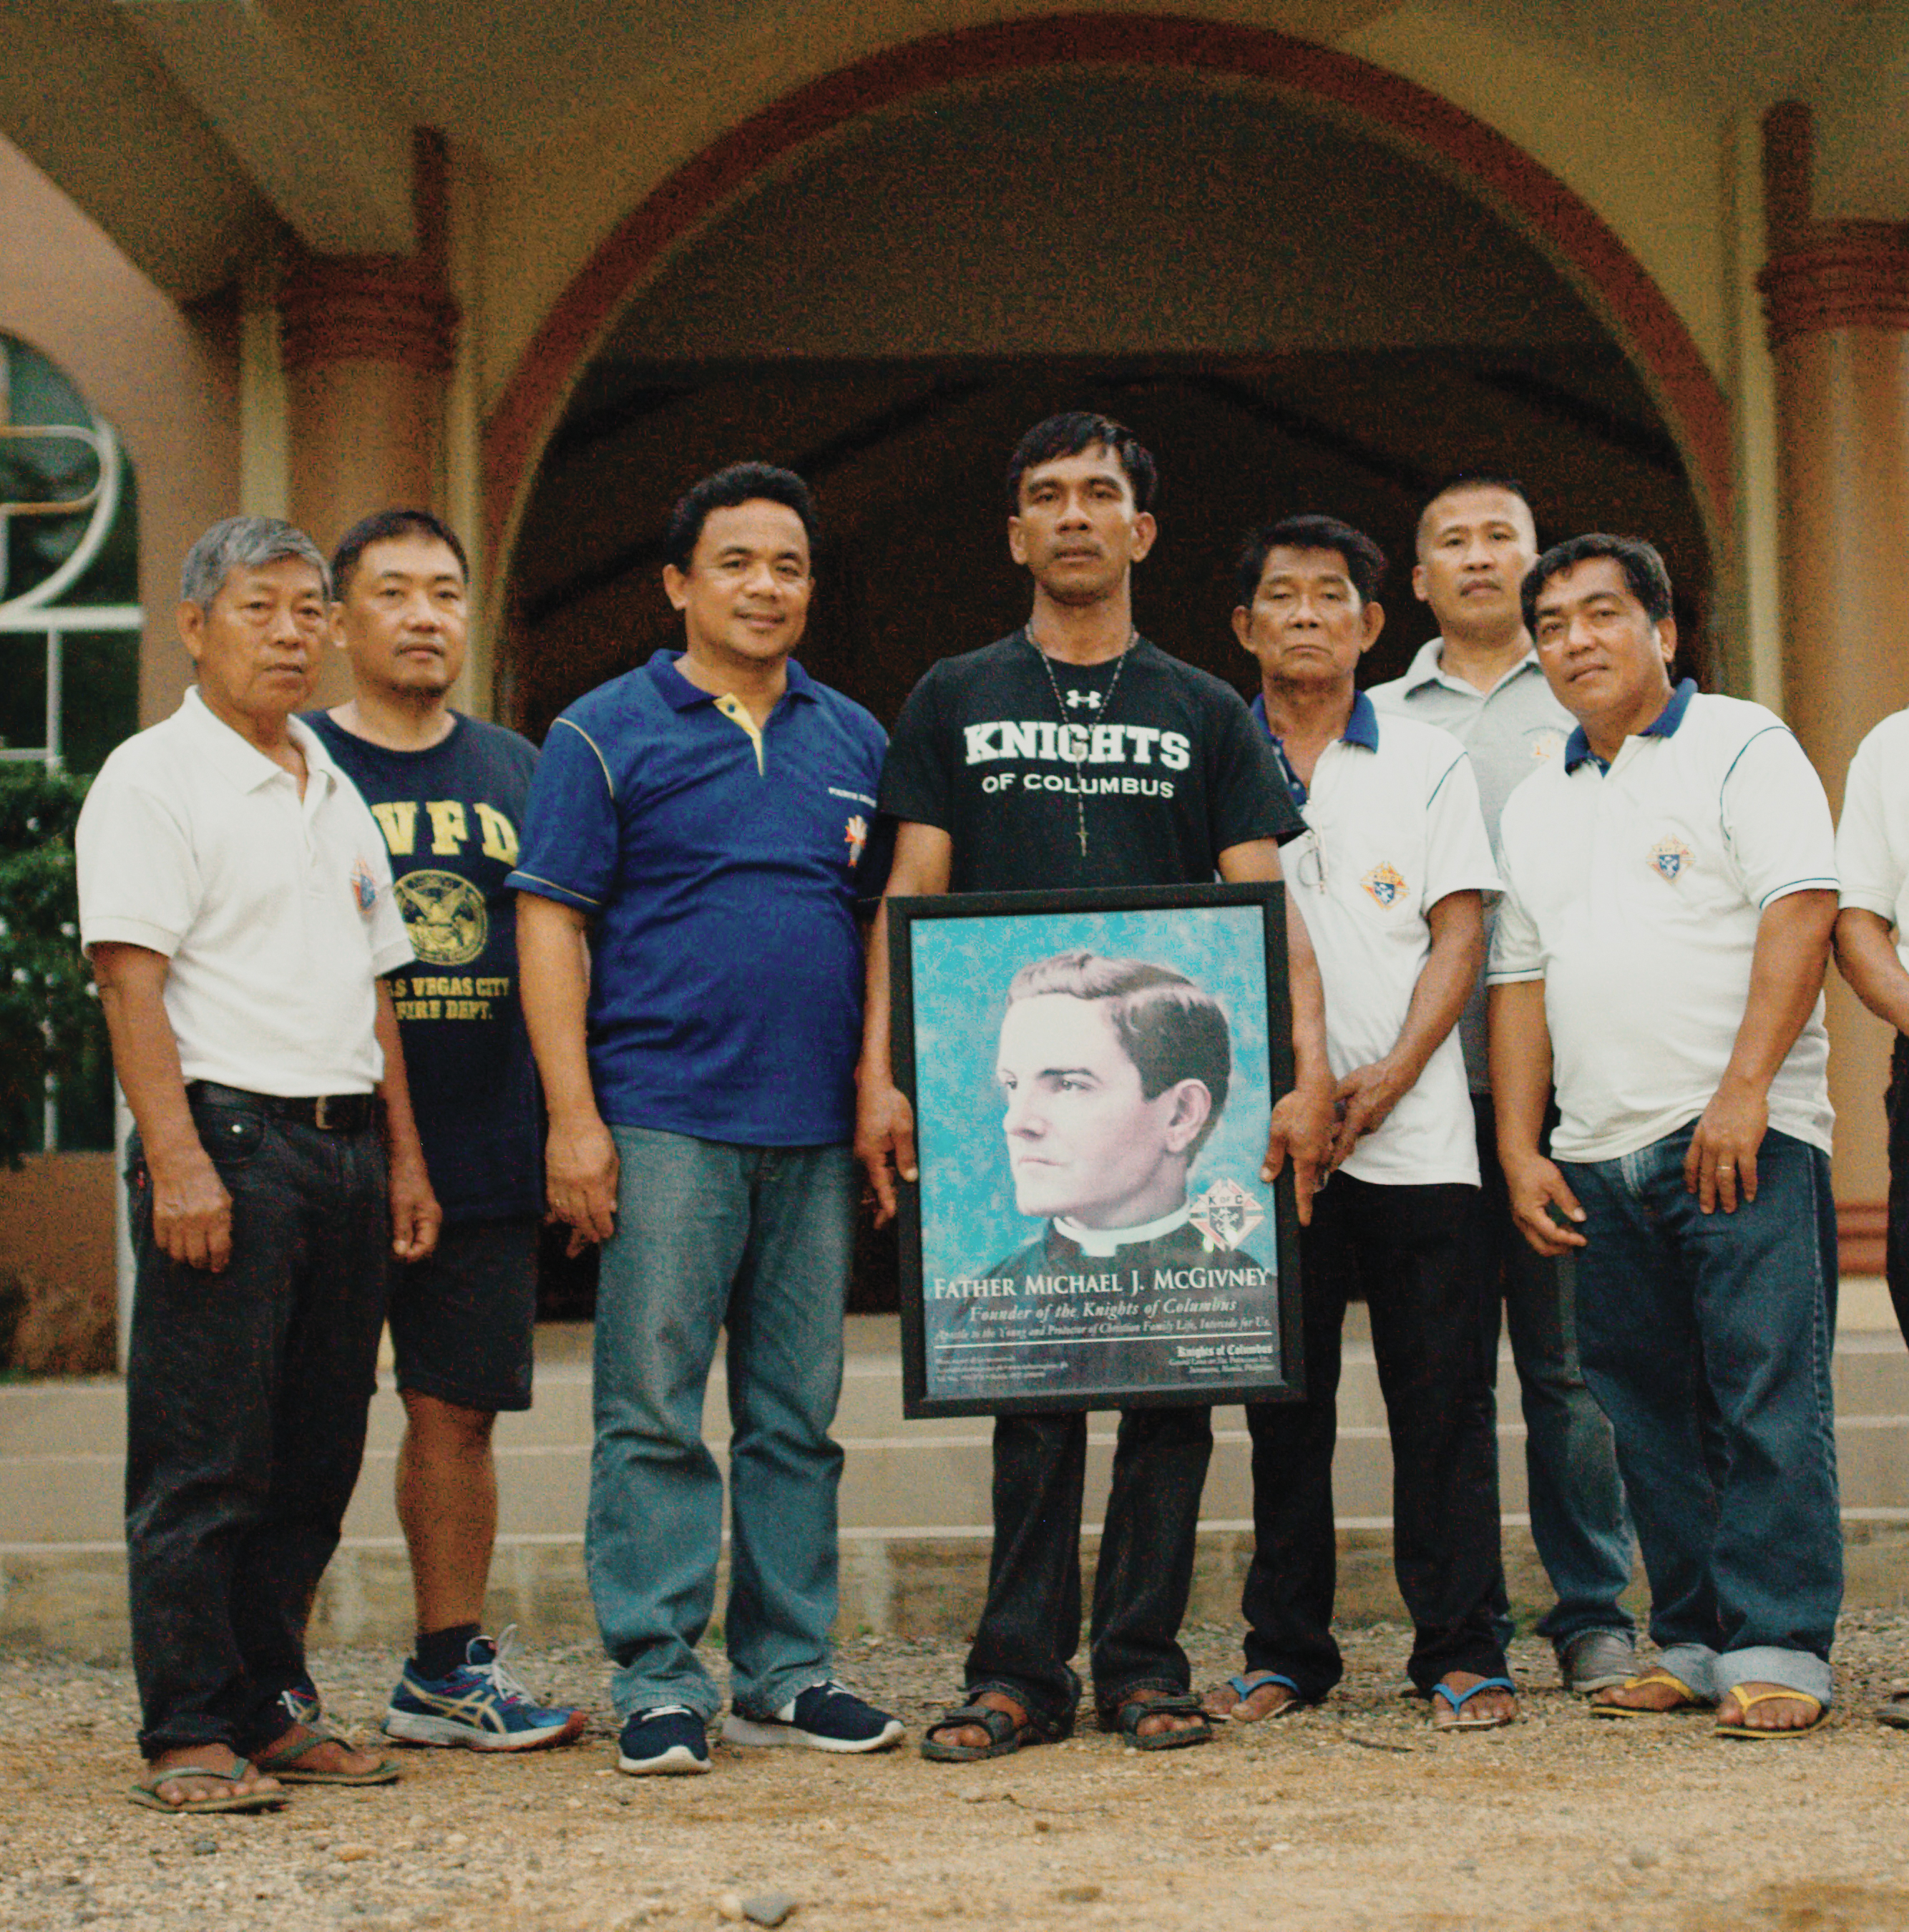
point(1041, 741)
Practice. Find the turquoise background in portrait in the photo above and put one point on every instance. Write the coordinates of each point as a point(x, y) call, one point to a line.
point(961, 968)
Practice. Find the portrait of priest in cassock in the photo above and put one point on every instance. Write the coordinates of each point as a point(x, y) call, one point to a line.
point(1114, 1074)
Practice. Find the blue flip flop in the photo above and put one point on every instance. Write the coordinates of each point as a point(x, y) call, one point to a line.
point(1458, 1700)
point(1244, 1686)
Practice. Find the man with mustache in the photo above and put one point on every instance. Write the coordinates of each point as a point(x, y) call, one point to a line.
point(1480, 679)
point(448, 794)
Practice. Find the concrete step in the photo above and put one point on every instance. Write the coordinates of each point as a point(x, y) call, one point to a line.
point(914, 1501)
point(928, 1478)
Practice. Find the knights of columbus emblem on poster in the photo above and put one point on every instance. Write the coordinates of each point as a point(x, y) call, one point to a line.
point(1226, 1213)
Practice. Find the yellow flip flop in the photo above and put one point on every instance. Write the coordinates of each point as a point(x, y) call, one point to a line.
point(1690, 1700)
point(1761, 1734)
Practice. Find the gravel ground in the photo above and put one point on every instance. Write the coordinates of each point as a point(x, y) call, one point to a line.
point(1352, 1816)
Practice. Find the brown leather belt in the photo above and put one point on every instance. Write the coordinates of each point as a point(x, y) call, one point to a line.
point(330, 1113)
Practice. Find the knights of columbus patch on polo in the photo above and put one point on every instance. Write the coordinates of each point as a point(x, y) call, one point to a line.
point(1670, 856)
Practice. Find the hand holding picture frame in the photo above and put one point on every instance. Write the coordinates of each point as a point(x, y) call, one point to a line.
point(1093, 1076)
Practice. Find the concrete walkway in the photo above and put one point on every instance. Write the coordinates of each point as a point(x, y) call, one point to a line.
point(914, 1501)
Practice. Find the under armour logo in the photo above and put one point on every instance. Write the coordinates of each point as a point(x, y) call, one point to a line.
point(1091, 699)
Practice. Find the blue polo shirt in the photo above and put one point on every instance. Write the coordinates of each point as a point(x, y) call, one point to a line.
point(720, 866)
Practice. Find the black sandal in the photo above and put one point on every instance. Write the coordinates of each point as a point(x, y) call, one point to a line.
point(1133, 1711)
point(1005, 1737)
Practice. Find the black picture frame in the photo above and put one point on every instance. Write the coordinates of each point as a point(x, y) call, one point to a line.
point(939, 1010)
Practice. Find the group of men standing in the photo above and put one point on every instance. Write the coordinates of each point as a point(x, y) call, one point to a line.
point(273, 903)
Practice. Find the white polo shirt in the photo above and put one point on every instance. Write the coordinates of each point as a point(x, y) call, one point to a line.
point(1393, 827)
point(1872, 841)
point(1507, 732)
point(276, 912)
point(1635, 893)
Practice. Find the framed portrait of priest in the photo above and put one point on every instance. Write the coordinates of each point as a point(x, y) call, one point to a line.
point(1093, 1076)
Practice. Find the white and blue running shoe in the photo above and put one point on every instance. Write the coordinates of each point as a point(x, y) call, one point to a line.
point(826, 1717)
point(480, 1706)
point(669, 1741)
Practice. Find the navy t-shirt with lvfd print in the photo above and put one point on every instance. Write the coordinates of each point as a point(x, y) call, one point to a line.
point(452, 816)
point(1159, 759)
point(720, 864)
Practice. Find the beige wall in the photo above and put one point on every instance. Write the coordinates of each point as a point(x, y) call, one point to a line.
point(1654, 170)
point(167, 383)
point(1651, 163)
point(165, 380)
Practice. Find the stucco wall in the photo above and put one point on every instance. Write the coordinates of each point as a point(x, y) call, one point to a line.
point(164, 379)
point(1652, 170)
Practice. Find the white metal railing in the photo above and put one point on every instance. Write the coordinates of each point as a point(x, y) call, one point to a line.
point(37, 612)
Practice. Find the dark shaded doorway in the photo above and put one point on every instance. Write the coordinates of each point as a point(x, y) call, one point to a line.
point(1293, 314)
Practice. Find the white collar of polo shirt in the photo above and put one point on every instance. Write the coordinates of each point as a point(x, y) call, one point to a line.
point(240, 763)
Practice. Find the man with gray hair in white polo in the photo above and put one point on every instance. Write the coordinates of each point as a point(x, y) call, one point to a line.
point(236, 903)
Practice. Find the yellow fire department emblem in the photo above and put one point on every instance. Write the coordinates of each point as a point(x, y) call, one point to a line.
point(444, 916)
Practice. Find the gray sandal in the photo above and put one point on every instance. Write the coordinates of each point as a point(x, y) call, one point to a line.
point(234, 1800)
point(1134, 1711)
point(283, 1764)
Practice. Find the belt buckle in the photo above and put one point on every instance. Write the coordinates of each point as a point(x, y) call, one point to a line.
point(321, 1117)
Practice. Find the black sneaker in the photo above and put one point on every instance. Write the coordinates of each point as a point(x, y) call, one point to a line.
point(826, 1717)
point(669, 1742)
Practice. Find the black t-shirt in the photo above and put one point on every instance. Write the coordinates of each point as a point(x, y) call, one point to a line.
point(1163, 759)
point(450, 817)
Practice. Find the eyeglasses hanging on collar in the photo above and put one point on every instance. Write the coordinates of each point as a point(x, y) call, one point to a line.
point(1310, 869)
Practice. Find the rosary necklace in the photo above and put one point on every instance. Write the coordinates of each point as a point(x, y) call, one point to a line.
point(1106, 705)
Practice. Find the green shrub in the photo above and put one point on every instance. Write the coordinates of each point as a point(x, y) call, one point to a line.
point(50, 1015)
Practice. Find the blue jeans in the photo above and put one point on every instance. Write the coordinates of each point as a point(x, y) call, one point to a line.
point(1578, 1520)
point(755, 1240)
point(1706, 1338)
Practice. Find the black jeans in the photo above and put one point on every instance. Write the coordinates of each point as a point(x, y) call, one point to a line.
point(1896, 1259)
point(1030, 1628)
point(246, 1398)
point(1408, 1246)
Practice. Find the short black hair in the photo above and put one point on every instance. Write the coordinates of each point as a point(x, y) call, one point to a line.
point(1364, 561)
point(1648, 582)
point(1476, 479)
point(381, 528)
point(1068, 434)
point(728, 489)
point(1170, 1028)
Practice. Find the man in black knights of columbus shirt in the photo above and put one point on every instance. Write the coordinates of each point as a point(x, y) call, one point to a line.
point(1074, 753)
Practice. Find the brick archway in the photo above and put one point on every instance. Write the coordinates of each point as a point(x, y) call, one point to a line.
point(1585, 248)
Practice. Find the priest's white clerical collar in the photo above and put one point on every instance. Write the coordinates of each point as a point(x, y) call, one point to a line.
point(1106, 1240)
